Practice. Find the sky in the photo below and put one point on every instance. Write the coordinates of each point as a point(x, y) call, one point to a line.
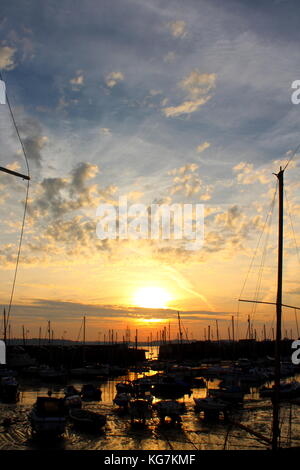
point(160, 102)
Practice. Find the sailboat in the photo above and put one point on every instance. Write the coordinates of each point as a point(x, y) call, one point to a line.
point(279, 305)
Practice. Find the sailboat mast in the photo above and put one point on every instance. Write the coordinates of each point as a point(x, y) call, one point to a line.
point(4, 325)
point(179, 327)
point(84, 330)
point(276, 401)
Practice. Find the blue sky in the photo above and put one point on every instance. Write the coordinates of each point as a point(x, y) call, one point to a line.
point(158, 100)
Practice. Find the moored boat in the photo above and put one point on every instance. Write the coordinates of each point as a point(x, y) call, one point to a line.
point(9, 389)
point(122, 400)
point(169, 408)
point(48, 416)
point(286, 391)
point(231, 394)
point(72, 398)
point(90, 392)
point(86, 420)
point(139, 409)
point(210, 404)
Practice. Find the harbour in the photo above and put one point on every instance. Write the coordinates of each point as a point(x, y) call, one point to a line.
point(149, 254)
point(247, 425)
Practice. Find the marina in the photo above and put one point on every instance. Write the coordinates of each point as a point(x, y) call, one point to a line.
point(149, 187)
point(209, 414)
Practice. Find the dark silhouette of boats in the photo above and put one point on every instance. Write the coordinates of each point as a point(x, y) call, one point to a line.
point(89, 392)
point(86, 420)
point(170, 408)
point(47, 418)
point(9, 390)
point(286, 391)
point(167, 386)
point(140, 409)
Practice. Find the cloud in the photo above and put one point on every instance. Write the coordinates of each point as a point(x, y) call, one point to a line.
point(58, 196)
point(113, 78)
point(178, 28)
point(203, 147)
point(196, 86)
point(187, 107)
point(105, 131)
point(6, 58)
point(187, 180)
point(33, 147)
point(33, 137)
point(77, 81)
point(246, 174)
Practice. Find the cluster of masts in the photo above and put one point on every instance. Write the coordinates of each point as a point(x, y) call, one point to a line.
point(154, 338)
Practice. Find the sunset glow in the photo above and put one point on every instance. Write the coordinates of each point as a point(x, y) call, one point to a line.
point(152, 297)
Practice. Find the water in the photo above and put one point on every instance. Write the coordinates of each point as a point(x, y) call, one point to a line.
point(119, 434)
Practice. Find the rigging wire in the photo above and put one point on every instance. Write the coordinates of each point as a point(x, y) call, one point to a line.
point(266, 223)
point(296, 246)
point(262, 264)
point(292, 156)
point(25, 207)
point(259, 240)
point(292, 225)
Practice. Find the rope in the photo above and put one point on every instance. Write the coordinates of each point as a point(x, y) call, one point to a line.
point(266, 223)
point(262, 264)
point(257, 246)
point(291, 158)
point(25, 208)
point(292, 225)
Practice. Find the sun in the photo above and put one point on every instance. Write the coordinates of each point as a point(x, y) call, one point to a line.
point(152, 297)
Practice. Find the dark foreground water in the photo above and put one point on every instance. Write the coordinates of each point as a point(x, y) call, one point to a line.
point(194, 433)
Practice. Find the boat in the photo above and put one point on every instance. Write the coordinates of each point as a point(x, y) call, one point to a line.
point(286, 391)
point(167, 386)
point(86, 420)
point(72, 398)
point(233, 393)
point(212, 407)
point(70, 390)
point(169, 408)
point(50, 374)
point(4, 372)
point(124, 387)
point(198, 382)
point(90, 371)
point(90, 392)
point(122, 399)
point(9, 389)
point(139, 409)
point(48, 417)
point(210, 404)
point(143, 384)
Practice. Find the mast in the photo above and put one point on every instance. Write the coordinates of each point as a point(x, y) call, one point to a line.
point(49, 332)
point(23, 334)
point(83, 346)
point(179, 327)
point(4, 325)
point(276, 402)
point(217, 326)
point(84, 331)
